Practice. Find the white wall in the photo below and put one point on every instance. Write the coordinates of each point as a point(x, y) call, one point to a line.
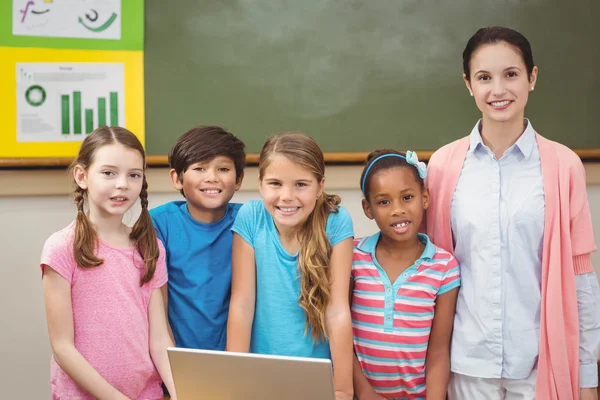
point(26, 221)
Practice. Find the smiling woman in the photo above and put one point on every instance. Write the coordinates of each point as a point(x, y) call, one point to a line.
point(532, 192)
point(499, 75)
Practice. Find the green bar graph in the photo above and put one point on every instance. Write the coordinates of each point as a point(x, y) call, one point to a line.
point(89, 120)
point(82, 120)
point(65, 114)
point(114, 109)
point(77, 112)
point(101, 111)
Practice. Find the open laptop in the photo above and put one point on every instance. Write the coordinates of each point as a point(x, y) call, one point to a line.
point(219, 375)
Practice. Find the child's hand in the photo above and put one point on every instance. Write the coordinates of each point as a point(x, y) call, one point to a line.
point(121, 396)
point(373, 396)
point(370, 395)
point(342, 396)
point(588, 394)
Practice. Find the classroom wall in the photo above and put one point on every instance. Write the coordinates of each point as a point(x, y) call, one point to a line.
point(34, 204)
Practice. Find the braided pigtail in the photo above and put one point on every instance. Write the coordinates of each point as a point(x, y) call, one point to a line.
point(85, 238)
point(144, 236)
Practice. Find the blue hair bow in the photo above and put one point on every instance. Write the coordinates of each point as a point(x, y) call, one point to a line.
point(412, 159)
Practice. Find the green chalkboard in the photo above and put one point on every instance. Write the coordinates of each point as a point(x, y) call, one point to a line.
point(358, 75)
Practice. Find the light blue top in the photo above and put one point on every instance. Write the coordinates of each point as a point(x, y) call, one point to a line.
point(199, 270)
point(497, 217)
point(279, 322)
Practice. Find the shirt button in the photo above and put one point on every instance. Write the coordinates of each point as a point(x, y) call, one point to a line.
point(388, 304)
point(389, 290)
point(389, 318)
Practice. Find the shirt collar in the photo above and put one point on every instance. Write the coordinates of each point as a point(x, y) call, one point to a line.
point(369, 243)
point(527, 140)
point(524, 144)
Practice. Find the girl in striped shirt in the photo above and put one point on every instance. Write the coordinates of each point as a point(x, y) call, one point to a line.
point(404, 288)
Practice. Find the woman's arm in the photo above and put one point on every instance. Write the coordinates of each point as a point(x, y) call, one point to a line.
point(59, 313)
point(160, 339)
point(437, 362)
point(588, 305)
point(243, 296)
point(338, 320)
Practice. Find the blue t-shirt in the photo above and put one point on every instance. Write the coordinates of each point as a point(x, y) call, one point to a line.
point(199, 271)
point(279, 321)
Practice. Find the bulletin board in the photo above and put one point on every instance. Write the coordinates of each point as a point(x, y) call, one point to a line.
point(67, 67)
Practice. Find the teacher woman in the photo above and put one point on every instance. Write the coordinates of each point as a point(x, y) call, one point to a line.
point(513, 206)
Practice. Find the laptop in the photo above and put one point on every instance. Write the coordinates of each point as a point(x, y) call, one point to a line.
point(220, 375)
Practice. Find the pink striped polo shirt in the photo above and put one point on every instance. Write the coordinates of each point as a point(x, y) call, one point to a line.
point(391, 322)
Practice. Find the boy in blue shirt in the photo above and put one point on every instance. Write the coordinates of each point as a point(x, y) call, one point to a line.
point(207, 167)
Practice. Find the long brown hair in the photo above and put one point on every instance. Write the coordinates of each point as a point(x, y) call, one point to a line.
point(315, 248)
point(85, 237)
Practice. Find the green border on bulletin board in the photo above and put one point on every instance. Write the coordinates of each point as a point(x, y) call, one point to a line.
point(132, 32)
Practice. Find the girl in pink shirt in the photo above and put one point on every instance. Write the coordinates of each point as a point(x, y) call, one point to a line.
point(102, 281)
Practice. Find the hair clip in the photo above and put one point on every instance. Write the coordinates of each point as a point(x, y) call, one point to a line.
point(413, 159)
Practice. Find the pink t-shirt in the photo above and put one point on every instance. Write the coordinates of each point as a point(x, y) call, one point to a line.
point(110, 317)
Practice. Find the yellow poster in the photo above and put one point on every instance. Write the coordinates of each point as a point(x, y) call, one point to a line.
point(52, 98)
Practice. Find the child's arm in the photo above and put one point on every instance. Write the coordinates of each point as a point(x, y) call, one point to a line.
point(165, 295)
point(59, 313)
point(243, 296)
point(437, 362)
point(338, 321)
point(362, 387)
point(160, 339)
point(158, 225)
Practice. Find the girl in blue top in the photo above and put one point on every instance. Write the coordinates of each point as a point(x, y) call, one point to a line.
point(291, 263)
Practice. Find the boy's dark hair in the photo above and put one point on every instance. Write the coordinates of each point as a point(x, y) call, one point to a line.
point(383, 164)
point(204, 143)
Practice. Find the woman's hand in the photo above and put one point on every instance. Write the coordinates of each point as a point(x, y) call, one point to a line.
point(588, 394)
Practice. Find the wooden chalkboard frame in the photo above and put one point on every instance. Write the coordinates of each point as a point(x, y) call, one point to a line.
point(352, 158)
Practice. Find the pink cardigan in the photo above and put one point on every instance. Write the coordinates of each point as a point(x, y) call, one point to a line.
point(568, 242)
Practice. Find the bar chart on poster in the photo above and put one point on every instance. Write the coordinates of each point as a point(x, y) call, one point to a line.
point(59, 102)
point(73, 105)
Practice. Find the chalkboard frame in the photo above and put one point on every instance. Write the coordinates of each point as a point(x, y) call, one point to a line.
point(333, 158)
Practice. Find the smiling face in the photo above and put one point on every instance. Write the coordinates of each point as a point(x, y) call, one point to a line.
point(113, 181)
point(208, 186)
point(289, 192)
point(397, 202)
point(499, 82)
